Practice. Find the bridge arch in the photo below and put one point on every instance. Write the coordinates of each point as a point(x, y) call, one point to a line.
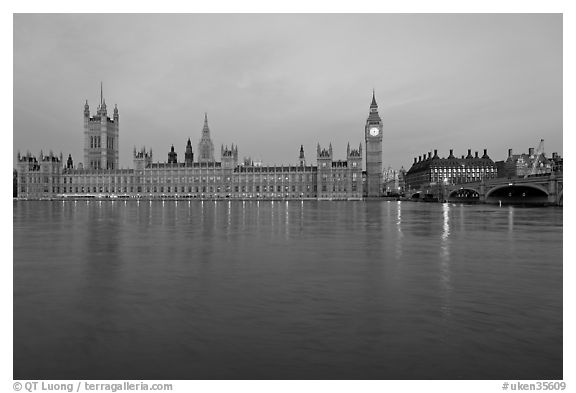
point(464, 195)
point(525, 193)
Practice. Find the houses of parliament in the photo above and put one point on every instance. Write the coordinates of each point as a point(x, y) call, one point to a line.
point(200, 174)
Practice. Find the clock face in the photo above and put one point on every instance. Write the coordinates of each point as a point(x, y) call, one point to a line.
point(374, 131)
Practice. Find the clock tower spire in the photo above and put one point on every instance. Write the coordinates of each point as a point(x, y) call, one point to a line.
point(373, 137)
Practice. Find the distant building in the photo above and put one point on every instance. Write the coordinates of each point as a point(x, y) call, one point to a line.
point(528, 164)
point(427, 171)
point(557, 163)
point(393, 181)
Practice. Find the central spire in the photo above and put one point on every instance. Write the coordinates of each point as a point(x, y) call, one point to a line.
point(205, 129)
point(373, 104)
point(205, 146)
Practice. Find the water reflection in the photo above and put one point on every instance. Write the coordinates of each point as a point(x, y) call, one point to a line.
point(286, 222)
point(228, 219)
point(400, 235)
point(510, 219)
point(301, 227)
point(445, 262)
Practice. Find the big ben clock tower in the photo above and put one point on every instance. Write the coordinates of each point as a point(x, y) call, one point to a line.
point(373, 135)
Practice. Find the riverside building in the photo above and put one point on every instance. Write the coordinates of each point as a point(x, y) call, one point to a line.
point(431, 170)
point(100, 177)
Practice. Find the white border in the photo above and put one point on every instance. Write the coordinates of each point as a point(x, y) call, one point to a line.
point(112, 6)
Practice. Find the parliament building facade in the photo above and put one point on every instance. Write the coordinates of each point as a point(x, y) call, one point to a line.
point(99, 176)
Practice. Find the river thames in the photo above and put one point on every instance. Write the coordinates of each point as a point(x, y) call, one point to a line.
point(286, 290)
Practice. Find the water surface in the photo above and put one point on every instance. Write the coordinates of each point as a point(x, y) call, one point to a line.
point(281, 290)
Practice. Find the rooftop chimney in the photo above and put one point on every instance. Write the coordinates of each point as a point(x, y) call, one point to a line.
point(435, 153)
point(531, 151)
point(554, 155)
point(476, 155)
point(451, 153)
point(419, 158)
point(429, 155)
point(469, 153)
point(509, 153)
point(415, 159)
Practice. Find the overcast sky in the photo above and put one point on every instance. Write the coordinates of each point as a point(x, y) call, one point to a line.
point(273, 82)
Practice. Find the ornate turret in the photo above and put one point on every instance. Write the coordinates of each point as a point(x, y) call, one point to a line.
point(172, 156)
point(301, 158)
point(69, 162)
point(324, 153)
point(228, 156)
point(189, 155)
point(353, 153)
point(142, 159)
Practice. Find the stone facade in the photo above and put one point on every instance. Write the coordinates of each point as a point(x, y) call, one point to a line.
point(39, 178)
point(100, 177)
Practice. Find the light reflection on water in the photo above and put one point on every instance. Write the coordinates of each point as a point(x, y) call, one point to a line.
point(445, 260)
point(257, 289)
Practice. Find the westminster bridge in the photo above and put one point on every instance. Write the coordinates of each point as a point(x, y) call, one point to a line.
point(537, 190)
